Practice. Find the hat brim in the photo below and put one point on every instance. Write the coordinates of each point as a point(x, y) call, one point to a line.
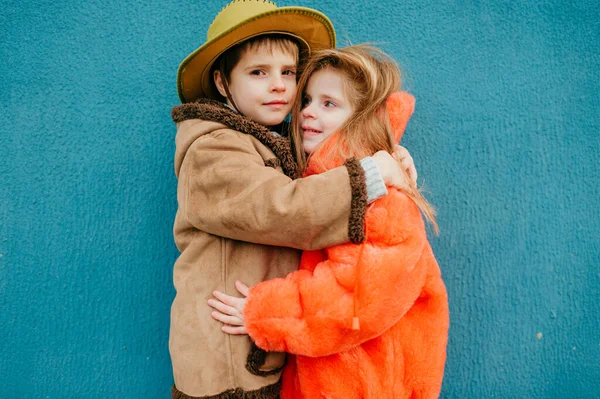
point(312, 29)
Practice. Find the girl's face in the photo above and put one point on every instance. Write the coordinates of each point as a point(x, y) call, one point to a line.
point(325, 107)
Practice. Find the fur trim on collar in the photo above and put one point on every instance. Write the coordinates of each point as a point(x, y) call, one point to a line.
point(215, 111)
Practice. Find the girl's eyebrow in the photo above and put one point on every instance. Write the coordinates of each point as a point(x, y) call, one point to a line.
point(332, 98)
point(325, 97)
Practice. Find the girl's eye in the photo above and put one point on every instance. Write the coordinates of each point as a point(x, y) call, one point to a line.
point(289, 72)
point(329, 104)
point(305, 102)
point(257, 72)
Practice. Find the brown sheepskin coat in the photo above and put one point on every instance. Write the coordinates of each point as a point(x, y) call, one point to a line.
point(243, 215)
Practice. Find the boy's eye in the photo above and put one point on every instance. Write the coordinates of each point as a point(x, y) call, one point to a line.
point(258, 72)
point(289, 72)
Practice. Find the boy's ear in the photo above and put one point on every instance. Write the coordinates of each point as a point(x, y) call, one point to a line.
point(219, 83)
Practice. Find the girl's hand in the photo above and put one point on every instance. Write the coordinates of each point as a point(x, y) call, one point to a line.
point(229, 310)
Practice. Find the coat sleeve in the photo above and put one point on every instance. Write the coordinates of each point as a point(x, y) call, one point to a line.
point(225, 189)
point(310, 312)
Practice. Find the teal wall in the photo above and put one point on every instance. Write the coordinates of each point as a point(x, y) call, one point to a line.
point(506, 137)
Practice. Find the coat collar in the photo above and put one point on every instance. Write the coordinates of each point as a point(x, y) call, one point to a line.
point(215, 111)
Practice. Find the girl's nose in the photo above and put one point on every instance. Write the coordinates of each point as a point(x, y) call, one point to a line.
point(307, 112)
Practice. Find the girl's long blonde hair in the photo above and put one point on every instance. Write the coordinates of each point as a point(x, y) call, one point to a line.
point(370, 76)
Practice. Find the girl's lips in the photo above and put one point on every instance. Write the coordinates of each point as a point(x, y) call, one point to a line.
point(310, 132)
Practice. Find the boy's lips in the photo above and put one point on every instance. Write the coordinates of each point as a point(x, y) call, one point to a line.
point(277, 103)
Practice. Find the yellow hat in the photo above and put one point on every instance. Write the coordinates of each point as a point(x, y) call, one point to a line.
point(241, 20)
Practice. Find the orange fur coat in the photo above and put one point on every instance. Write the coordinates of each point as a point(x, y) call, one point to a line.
point(395, 289)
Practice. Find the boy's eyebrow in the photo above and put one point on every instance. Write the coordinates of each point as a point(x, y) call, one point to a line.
point(252, 66)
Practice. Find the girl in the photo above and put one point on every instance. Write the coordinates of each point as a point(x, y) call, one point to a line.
point(363, 320)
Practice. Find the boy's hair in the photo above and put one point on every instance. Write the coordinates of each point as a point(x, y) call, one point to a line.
point(229, 59)
point(370, 76)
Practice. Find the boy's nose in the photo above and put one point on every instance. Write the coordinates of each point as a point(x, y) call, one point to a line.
point(277, 83)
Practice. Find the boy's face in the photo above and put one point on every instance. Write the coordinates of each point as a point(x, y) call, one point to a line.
point(263, 84)
point(325, 108)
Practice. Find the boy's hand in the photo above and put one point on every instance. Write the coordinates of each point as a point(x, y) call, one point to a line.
point(398, 170)
point(229, 310)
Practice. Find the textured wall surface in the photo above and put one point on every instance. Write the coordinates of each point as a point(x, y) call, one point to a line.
point(506, 137)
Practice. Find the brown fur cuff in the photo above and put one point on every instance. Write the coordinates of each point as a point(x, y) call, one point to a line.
point(256, 358)
point(358, 206)
point(268, 392)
